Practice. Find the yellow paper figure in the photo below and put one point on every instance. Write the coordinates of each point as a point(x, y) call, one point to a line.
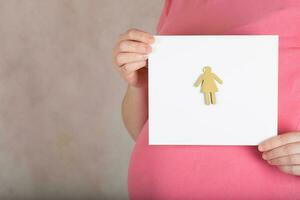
point(208, 85)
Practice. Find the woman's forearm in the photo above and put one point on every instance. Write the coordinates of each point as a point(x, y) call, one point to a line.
point(135, 109)
point(130, 56)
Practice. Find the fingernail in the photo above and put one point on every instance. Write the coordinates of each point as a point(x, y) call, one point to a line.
point(269, 161)
point(264, 156)
point(148, 49)
point(260, 148)
point(151, 39)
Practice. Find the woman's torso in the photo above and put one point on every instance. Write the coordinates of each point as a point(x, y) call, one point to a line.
point(208, 84)
point(219, 172)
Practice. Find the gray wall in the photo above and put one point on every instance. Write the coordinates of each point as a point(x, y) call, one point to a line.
point(61, 134)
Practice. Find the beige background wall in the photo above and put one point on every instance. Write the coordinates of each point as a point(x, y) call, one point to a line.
point(61, 134)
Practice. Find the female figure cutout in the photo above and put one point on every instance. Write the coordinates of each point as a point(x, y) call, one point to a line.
point(208, 85)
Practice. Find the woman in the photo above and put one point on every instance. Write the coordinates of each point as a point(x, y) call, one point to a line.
point(208, 85)
point(269, 171)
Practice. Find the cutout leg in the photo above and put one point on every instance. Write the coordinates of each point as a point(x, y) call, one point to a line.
point(213, 98)
point(206, 98)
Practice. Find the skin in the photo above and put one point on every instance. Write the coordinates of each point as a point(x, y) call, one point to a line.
point(283, 151)
point(130, 56)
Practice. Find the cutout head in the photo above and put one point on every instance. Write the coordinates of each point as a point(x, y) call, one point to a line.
point(207, 69)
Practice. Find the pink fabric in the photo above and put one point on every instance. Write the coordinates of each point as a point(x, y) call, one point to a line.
point(224, 172)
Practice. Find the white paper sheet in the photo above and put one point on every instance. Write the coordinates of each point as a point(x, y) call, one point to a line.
point(246, 108)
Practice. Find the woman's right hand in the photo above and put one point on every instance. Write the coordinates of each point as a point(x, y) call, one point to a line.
point(131, 56)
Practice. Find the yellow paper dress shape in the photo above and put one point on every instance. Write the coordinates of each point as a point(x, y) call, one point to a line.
point(208, 85)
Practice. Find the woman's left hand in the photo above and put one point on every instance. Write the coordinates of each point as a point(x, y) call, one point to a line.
point(283, 151)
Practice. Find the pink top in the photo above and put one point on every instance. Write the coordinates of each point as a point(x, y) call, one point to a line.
point(224, 172)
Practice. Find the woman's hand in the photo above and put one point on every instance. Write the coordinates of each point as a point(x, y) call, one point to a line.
point(131, 54)
point(283, 151)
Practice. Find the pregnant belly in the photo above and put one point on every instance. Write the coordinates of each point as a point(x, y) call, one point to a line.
point(205, 172)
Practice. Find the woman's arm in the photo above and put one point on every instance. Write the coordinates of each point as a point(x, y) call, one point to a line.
point(135, 109)
point(130, 57)
point(217, 79)
point(199, 80)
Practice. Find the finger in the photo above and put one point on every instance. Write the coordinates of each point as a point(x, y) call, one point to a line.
point(286, 160)
point(130, 67)
point(124, 58)
point(137, 35)
point(134, 47)
point(288, 149)
point(279, 140)
point(290, 169)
